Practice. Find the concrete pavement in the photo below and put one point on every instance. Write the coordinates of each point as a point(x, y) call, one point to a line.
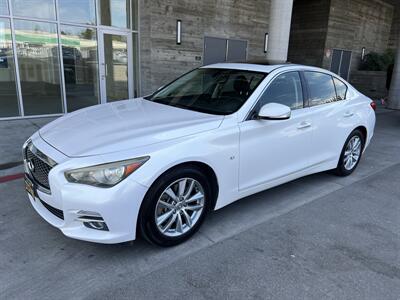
point(320, 237)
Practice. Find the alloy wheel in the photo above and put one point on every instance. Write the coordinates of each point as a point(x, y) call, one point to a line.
point(179, 207)
point(352, 153)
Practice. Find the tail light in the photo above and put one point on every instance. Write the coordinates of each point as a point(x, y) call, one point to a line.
point(373, 105)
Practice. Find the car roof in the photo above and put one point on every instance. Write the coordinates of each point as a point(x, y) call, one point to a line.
point(265, 67)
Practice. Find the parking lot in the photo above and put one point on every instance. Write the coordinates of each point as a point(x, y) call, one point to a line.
point(319, 237)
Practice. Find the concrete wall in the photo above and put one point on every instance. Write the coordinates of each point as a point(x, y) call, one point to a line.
point(370, 83)
point(162, 60)
point(354, 24)
point(395, 31)
point(308, 31)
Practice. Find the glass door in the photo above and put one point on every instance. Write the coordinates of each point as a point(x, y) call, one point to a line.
point(116, 71)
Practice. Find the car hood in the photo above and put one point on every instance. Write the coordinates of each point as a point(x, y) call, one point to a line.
point(122, 126)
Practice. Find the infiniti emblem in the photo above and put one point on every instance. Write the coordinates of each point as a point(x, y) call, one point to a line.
point(31, 166)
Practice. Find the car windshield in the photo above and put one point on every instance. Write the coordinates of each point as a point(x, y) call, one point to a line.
point(208, 90)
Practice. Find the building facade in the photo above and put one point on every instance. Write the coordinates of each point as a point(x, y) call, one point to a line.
point(57, 56)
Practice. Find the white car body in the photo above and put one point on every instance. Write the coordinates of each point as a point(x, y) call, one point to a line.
point(247, 156)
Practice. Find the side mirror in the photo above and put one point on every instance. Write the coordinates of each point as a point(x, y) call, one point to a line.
point(274, 111)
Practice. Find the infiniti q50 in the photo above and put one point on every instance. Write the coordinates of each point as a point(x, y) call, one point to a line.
point(156, 166)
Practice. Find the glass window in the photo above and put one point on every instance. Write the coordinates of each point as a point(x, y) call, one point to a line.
point(8, 91)
point(115, 13)
point(320, 87)
point(39, 67)
point(135, 20)
point(116, 64)
point(286, 89)
point(79, 49)
point(43, 9)
point(341, 89)
point(213, 91)
point(136, 64)
point(78, 11)
point(3, 7)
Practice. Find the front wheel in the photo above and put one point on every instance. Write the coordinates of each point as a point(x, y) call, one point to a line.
point(351, 153)
point(175, 207)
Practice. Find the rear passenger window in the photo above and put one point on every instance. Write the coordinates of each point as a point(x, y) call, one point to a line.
point(320, 87)
point(285, 89)
point(341, 89)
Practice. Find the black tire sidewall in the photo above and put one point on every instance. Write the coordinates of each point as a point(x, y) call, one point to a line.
point(341, 170)
point(146, 221)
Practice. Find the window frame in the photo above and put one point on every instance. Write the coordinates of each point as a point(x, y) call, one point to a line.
point(252, 115)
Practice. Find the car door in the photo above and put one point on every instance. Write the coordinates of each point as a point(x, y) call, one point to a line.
point(331, 114)
point(273, 149)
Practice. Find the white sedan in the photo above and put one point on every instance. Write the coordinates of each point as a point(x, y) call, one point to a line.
point(157, 165)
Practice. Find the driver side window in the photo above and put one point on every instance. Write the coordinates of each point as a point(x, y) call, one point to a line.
point(286, 89)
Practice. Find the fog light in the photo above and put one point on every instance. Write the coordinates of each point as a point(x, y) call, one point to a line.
point(92, 220)
point(96, 225)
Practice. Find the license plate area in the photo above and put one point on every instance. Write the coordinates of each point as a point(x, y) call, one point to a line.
point(30, 187)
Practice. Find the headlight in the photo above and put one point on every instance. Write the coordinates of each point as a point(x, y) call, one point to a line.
point(105, 175)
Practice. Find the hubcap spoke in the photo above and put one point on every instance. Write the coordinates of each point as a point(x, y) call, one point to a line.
point(198, 196)
point(179, 223)
point(161, 219)
point(171, 193)
point(188, 220)
point(166, 204)
point(189, 191)
point(194, 207)
point(173, 219)
point(182, 185)
point(356, 145)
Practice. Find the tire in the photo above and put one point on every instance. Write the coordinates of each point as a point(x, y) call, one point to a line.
point(344, 167)
point(158, 203)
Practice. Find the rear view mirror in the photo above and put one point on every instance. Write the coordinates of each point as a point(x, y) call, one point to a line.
point(274, 111)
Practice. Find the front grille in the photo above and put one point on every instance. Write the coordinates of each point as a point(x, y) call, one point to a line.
point(38, 168)
point(57, 212)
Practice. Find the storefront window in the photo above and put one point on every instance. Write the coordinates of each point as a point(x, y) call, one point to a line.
point(115, 13)
point(39, 67)
point(8, 91)
point(78, 11)
point(3, 7)
point(79, 48)
point(43, 9)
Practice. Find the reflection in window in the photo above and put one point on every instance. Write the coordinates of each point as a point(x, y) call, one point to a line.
point(43, 9)
point(78, 11)
point(39, 66)
point(286, 89)
point(8, 91)
point(341, 89)
point(115, 13)
point(3, 7)
point(116, 62)
point(321, 88)
point(79, 48)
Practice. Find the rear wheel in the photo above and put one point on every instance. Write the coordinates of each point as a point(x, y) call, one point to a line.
point(175, 206)
point(351, 153)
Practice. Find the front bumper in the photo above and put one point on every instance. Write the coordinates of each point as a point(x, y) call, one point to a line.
point(118, 206)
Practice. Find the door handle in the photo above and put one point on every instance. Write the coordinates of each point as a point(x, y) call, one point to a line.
point(303, 125)
point(348, 114)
